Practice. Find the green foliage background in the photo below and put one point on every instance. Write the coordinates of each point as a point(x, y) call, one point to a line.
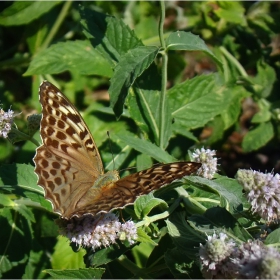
point(223, 93)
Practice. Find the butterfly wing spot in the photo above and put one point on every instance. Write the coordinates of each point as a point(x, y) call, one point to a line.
point(55, 104)
point(58, 180)
point(70, 131)
point(60, 135)
point(83, 134)
point(54, 143)
point(51, 120)
point(45, 174)
point(50, 185)
point(49, 131)
point(44, 163)
point(64, 148)
point(89, 143)
point(49, 110)
point(73, 118)
point(63, 192)
point(61, 124)
point(53, 172)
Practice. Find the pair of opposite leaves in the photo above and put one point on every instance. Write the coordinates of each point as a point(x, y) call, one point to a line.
point(70, 169)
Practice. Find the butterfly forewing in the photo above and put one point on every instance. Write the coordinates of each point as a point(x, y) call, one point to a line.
point(68, 164)
point(68, 161)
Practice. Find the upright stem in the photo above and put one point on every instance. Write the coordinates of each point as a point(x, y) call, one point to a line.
point(163, 77)
point(60, 18)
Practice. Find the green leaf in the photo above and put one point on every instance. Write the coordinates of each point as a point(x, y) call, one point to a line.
point(264, 114)
point(143, 162)
point(35, 265)
point(260, 17)
point(144, 237)
point(180, 265)
point(258, 137)
point(228, 189)
point(144, 106)
point(106, 255)
point(130, 67)
point(273, 238)
point(64, 257)
point(78, 56)
point(21, 175)
point(231, 12)
point(232, 69)
point(217, 128)
point(21, 180)
point(181, 40)
point(196, 101)
point(182, 234)
point(5, 200)
point(178, 129)
point(231, 113)
point(16, 232)
point(145, 147)
point(146, 28)
point(146, 203)
point(6, 265)
point(24, 211)
point(264, 81)
point(108, 35)
point(24, 12)
point(82, 273)
point(217, 219)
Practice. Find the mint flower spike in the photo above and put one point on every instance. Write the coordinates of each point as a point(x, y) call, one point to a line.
point(263, 192)
point(99, 231)
point(215, 257)
point(128, 232)
point(220, 258)
point(208, 160)
point(6, 122)
point(257, 261)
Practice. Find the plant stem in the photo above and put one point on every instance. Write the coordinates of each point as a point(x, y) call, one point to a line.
point(53, 31)
point(190, 204)
point(148, 220)
point(133, 268)
point(163, 77)
point(25, 136)
point(2, 260)
point(236, 63)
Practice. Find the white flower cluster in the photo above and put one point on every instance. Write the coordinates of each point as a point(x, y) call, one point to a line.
point(208, 160)
point(257, 261)
point(220, 258)
point(215, 257)
point(129, 231)
point(6, 121)
point(100, 231)
point(263, 192)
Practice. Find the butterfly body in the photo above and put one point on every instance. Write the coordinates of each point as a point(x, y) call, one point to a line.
point(70, 169)
point(106, 179)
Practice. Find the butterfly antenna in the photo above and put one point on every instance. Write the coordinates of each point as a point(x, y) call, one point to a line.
point(108, 134)
point(128, 168)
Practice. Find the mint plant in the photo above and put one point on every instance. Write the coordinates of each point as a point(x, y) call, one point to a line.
point(208, 225)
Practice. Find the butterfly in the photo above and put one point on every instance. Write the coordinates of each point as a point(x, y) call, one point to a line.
point(70, 170)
